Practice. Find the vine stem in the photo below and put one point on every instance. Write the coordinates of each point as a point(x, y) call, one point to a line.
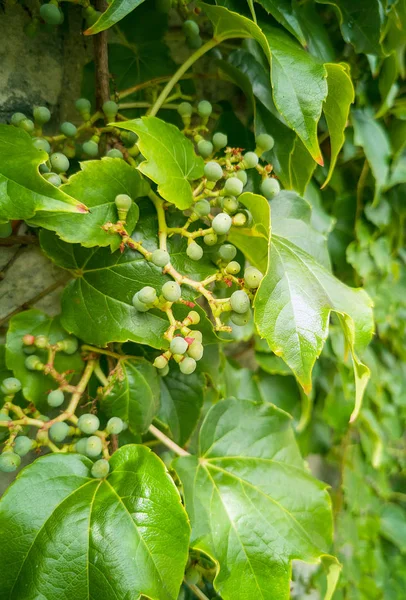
point(76, 396)
point(167, 441)
point(182, 69)
point(197, 592)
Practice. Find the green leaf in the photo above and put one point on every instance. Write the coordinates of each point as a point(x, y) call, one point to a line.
point(253, 240)
point(240, 487)
point(36, 385)
point(393, 525)
point(272, 364)
point(97, 304)
point(388, 87)
point(133, 393)
point(181, 403)
point(116, 10)
point(374, 140)
point(318, 37)
point(23, 191)
point(301, 166)
point(336, 109)
point(285, 14)
point(170, 162)
point(361, 23)
point(97, 185)
point(299, 87)
point(118, 537)
point(295, 300)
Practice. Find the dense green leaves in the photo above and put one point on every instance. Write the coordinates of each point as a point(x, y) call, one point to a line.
point(23, 191)
point(240, 486)
point(285, 13)
point(122, 536)
point(97, 185)
point(133, 393)
point(116, 10)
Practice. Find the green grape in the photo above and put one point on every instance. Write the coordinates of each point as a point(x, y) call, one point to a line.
point(233, 186)
point(270, 187)
point(59, 162)
point(4, 418)
point(164, 371)
point(147, 295)
point(160, 258)
point(69, 345)
point(194, 42)
point(23, 445)
point(230, 204)
point(221, 223)
point(240, 319)
point(110, 109)
point(195, 350)
point(252, 277)
point(91, 148)
point(185, 109)
point(171, 291)
point(190, 28)
point(240, 302)
point(114, 153)
point(123, 202)
point(94, 446)
point(204, 108)
point(194, 317)
point(227, 252)
point(210, 239)
point(51, 14)
point(213, 171)
point(91, 15)
point(55, 398)
point(9, 462)
point(194, 251)
point(41, 341)
point(33, 363)
point(83, 105)
point(202, 208)
point(42, 115)
point(138, 305)
point(44, 169)
point(16, 118)
point(129, 138)
point(187, 365)
point(160, 362)
point(80, 446)
point(27, 125)
point(219, 140)
point(88, 423)
point(29, 350)
point(53, 178)
point(100, 468)
point(68, 129)
point(264, 142)
point(233, 267)
point(58, 431)
point(5, 229)
point(114, 425)
point(178, 345)
point(41, 144)
point(196, 335)
point(205, 148)
point(28, 339)
point(242, 176)
point(240, 219)
point(250, 160)
point(10, 386)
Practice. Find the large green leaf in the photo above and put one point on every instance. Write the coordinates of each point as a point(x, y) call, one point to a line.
point(361, 23)
point(71, 536)
point(116, 10)
point(336, 109)
point(23, 191)
point(97, 304)
point(170, 162)
point(295, 300)
point(181, 403)
point(133, 394)
point(239, 498)
point(36, 385)
point(97, 185)
point(284, 12)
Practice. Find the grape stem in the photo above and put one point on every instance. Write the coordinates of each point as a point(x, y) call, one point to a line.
point(197, 592)
point(167, 441)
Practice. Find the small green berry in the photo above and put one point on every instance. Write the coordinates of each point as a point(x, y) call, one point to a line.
point(55, 398)
point(270, 187)
point(114, 153)
point(204, 108)
point(41, 341)
point(185, 109)
point(94, 446)
point(10, 386)
point(196, 335)
point(205, 148)
point(210, 239)
point(222, 223)
point(233, 186)
point(190, 28)
point(242, 176)
point(41, 144)
point(202, 208)
point(80, 446)
point(123, 202)
point(213, 171)
point(252, 277)
point(194, 251)
point(164, 371)
point(9, 462)
point(240, 319)
point(51, 14)
point(194, 317)
point(42, 115)
point(250, 160)
point(59, 162)
point(115, 425)
point(240, 219)
point(4, 418)
point(100, 468)
point(160, 362)
point(194, 42)
point(160, 258)
point(240, 302)
point(110, 109)
point(230, 204)
point(233, 267)
point(138, 305)
point(16, 118)
point(27, 125)
point(88, 423)
point(53, 178)
point(147, 295)
point(83, 105)
point(91, 148)
point(58, 431)
point(33, 363)
point(23, 445)
point(178, 345)
point(129, 138)
point(69, 345)
point(196, 350)
point(68, 129)
point(187, 365)
point(227, 252)
point(264, 142)
point(171, 291)
point(219, 140)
